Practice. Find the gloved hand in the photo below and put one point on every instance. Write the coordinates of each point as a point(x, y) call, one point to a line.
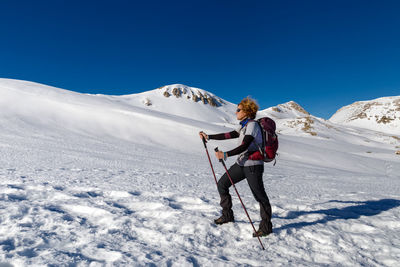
point(203, 135)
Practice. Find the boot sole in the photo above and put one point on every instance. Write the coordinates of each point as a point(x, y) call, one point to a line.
point(223, 222)
point(266, 234)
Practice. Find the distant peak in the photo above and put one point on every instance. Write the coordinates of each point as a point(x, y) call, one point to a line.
point(381, 114)
point(191, 93)
point(178, 85)
point(290, 106)
point(297, 107)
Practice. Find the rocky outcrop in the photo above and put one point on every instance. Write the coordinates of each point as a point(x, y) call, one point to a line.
point(197, 95)
point(147, 102)
point(294, 106)
point(382, 114)
point(305, 124)
point(177, 92)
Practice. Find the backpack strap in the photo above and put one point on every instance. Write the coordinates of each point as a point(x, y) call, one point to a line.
point(264, 142)
point(260, 149)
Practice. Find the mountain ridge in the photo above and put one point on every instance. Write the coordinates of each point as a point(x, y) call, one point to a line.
point(381, 114)
point(175, 99)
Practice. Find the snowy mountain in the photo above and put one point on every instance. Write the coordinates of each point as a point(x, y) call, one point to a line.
point(293, 119)
point(382, 114)
point(183, 101)
point(96, 180)
point(289, 110)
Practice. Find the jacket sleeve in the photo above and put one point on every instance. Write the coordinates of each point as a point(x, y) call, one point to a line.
point(245, 145)
point(223, 136)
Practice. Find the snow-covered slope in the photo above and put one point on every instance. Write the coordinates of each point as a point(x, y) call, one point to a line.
point(94, 180)
point(382, 114)
point(167, 122)
point(31, 109)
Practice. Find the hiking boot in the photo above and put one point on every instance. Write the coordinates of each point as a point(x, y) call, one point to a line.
point(262, 233)
point(225, 218)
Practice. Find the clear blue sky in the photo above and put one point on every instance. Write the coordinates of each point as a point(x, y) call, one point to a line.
point(321, 54)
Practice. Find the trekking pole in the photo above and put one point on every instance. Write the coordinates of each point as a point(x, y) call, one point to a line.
point(237, 193)
point(205, 146)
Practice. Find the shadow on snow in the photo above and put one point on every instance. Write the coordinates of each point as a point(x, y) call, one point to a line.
point(360, 208)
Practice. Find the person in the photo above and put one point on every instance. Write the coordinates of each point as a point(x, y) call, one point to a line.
point(249, 136)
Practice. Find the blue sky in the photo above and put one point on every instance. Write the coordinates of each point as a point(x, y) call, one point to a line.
point(321, 54)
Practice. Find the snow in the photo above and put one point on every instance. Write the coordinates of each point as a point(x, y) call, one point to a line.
point(94, 180)
point(381, 114)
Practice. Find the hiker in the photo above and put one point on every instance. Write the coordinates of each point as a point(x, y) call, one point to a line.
point(250, 139)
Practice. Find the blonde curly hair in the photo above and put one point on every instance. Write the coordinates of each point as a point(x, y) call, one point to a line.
point(250, 107)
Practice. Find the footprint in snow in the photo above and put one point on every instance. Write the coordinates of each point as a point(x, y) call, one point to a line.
point(59, 188)
point(16, 197)
point(16, 186)
point(89, 194)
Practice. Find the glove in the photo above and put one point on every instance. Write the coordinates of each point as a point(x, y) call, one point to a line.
point(203, 135)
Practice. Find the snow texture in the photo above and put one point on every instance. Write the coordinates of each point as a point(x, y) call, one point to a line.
point(94, 180)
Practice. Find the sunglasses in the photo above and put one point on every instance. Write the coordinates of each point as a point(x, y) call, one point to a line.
point(238, 110)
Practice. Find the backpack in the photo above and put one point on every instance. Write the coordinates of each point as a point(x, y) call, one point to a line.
point(267, 152)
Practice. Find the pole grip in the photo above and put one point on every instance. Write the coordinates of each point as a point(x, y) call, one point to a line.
point(204, 142)
point(221, 160)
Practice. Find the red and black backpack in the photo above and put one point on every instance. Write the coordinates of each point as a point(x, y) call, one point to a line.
point(267, 152)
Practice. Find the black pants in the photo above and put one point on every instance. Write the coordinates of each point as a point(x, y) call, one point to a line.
point(254, 176)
